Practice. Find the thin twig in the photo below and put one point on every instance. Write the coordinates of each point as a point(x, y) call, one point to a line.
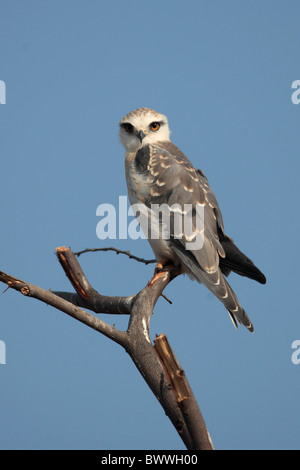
point(118, 252)
point(127, 253)
point(166, 298)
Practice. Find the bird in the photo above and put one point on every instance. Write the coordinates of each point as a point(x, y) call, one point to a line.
point(159, 174)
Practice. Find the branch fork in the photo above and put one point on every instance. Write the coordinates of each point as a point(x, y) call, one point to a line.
point(157, 364)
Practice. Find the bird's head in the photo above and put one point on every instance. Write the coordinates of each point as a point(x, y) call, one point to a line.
point(142, 127)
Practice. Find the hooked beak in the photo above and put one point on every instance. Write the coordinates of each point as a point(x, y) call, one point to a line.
point(141, 135)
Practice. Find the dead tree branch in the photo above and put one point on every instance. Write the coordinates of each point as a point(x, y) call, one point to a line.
point(118, 252)
point(157, 364)
point(183, 393)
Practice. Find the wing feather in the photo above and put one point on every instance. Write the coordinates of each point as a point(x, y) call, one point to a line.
point(185, 191)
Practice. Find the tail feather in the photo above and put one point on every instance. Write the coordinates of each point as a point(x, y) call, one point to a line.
point(230, 301)
point(218, 285)
point(241, 318)
point(226, 295)
point(238, 262)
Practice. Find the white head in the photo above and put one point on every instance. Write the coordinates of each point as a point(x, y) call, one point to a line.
point(141, 127)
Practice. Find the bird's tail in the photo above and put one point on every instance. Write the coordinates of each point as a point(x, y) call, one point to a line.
point(217, 284)
point(222, 290)
point(235, 260)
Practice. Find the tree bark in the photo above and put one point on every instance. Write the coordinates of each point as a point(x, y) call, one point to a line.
point(157, 364)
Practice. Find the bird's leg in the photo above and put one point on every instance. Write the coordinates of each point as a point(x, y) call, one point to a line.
point(161, 265)
point(160, 269)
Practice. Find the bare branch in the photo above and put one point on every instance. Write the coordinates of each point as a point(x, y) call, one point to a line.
point(30, 290)
point(169, 385)
point(74, 272)
point(184, 395)
point(118, 252)
point(172, 367)
point(87, 296)
point(86, 292)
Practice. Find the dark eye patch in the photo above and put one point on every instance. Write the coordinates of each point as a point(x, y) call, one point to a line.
point(128, 127)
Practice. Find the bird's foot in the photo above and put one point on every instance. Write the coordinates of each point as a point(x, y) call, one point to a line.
point(161, 265)
point(155, 278)
point(160, 269)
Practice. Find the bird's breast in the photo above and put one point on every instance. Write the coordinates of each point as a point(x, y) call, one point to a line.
point(137, 183)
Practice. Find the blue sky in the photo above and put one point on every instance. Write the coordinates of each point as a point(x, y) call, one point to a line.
point(222, 72)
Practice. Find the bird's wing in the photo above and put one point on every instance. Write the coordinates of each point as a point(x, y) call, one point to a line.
point(234, 259)
point(175, 182)
point(178, 184)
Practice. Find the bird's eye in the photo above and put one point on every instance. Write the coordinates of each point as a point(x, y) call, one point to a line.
point(154, 126)
point(128, 128)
